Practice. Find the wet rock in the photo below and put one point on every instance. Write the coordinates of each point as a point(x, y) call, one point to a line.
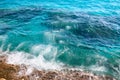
point(18, 72)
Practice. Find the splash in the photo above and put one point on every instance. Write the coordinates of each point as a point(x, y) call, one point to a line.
point(81, 35)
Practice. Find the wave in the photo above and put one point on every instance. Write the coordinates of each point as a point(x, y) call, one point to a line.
point(52, 39)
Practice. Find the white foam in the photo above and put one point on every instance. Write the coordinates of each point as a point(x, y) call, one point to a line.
point(45, 50)
point(2, 39)
point(97, 68)
point(45, 58)
point(29, 71)
point(40, 61)
point(68, 27)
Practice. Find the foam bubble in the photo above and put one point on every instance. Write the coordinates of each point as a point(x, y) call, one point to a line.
point(68, 27)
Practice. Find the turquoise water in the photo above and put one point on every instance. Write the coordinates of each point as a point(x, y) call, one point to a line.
point(69, 33)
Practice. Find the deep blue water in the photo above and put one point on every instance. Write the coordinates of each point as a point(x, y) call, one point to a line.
point(77, 33)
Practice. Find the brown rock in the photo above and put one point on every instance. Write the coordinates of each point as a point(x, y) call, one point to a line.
point(2, 79)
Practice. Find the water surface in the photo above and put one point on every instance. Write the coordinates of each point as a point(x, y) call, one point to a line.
point(62, 33)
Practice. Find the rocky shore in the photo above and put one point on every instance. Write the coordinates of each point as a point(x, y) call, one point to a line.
point(23, 72)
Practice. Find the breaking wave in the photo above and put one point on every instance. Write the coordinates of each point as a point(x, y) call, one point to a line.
point(50, 38)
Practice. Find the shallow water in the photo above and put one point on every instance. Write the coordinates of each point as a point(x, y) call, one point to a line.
point(56, 34)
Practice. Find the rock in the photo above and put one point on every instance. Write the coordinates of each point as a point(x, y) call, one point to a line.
point(2, 79)
point(17, 72)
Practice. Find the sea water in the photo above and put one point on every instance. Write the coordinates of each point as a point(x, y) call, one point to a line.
point(56, 34)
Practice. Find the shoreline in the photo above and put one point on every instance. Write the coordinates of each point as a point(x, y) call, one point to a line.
point(24, 72)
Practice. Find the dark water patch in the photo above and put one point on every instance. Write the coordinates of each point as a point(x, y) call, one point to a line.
point(22, 15)
point(4, 28)
point(82, 25)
